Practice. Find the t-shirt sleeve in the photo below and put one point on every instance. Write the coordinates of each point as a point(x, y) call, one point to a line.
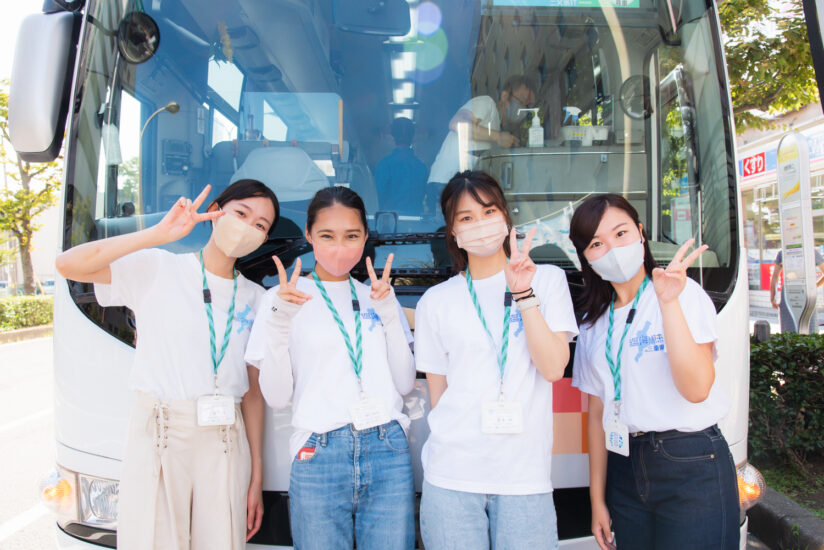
point(484, 108)
point(132, 277)
point(256, 346)
point(430, 355)
point(583, 371)
point(699, 311)
point(405, 324)
point(556, 303)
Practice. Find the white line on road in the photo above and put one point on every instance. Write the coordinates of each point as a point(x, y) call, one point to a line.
point(20, 421)
point(21, 521)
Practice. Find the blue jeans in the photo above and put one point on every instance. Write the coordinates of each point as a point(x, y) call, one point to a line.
point(456, 520)
point(356, 487)
point(675, 490)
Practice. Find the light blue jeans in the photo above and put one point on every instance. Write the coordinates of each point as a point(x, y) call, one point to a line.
point(356, 487)
point(455, 520)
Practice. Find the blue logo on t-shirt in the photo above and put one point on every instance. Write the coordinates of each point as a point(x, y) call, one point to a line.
point(370, 315)
point(243, 319)
point(646, 342)
point(516, 319)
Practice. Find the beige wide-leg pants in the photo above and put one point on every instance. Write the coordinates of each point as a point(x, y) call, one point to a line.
point(183, 486)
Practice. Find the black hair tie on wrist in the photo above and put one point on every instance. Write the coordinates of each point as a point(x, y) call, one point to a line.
point(522, 298)
point(523, 291)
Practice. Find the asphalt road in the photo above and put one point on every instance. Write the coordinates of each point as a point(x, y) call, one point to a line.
point(27, 445)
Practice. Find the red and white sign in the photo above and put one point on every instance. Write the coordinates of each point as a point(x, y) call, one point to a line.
point(756, 164)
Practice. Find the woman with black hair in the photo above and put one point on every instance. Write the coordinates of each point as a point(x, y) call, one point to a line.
point(491, 340)
point(192, 469)
point(660, 469)
point(339, 351)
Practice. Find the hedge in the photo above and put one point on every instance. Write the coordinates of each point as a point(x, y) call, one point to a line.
point(25, 311)
point(787, 397)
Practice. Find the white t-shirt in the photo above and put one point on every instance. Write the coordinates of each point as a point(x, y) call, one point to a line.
point(450, 158)
point(651, 402)
point(325, 384)
point(450, 340)
point(173, 359)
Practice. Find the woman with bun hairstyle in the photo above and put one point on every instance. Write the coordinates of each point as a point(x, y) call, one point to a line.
point(661, 473)
point(339, 351)
point(491, 340)
point(192, 470)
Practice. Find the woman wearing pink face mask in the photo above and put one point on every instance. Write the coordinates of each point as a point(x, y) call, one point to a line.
point(338, 350)
point(491, 341)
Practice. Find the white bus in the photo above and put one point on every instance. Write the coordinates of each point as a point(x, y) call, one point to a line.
point(159, 97)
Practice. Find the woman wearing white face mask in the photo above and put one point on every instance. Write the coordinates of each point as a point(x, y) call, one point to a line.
point(491, 340)
point(192, 470)
point(339, 351)
point(660, 469)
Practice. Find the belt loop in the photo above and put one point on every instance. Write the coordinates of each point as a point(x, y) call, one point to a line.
point(652, 439)
point(322, 439)
point(382, 432)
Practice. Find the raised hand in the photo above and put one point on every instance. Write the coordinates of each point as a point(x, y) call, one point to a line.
point(521, 269)
point(288, 289)
point(182, 218)
point(380, 287)
point(671, 281)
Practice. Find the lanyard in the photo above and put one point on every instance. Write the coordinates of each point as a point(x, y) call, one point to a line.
point(356, 353)
point(207, 299)
point(615, 365)
point(502, 355)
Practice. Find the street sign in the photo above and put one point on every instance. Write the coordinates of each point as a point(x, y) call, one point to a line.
point(797, 241)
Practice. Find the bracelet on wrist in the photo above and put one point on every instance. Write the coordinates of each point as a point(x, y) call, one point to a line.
point(514, 293)
point(526, 296)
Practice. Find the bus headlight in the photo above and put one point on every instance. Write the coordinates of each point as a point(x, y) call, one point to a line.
point(98, 501)
point(751, 486)
point(81, 498)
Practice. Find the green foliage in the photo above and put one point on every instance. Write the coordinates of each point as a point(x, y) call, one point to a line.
point(768, 59)
point(33, 191)
point(25, 311)
point(787, 397)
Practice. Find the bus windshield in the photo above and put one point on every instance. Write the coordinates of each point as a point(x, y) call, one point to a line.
point(557, 99)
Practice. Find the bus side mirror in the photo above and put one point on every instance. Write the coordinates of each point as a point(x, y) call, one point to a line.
point(40, 87)
point(814, 15)
point(381, 17)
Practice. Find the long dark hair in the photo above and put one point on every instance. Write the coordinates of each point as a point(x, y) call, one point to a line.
point(597, 294)
point(244, 189)
point(475, 183)
point(330, 196)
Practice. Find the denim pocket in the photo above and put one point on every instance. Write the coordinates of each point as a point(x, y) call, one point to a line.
point(308, 451)
point(396, 440)
point(690, 448)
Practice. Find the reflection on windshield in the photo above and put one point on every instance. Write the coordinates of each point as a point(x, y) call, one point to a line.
point(556, 99)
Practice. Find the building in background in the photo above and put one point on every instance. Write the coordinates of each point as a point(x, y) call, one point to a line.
point(757, 161)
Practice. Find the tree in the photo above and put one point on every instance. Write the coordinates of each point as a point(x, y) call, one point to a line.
point(768, 59)
point(34, 190)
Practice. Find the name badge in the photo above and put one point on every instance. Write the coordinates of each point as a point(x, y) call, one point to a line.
point(616, 433)
point(502, 417)
point(215, 410)
point(368, 413)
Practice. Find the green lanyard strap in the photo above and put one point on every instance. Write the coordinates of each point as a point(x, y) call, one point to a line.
point(615, 364)
point(207, 299)
point(502, 355)
point(356, 353)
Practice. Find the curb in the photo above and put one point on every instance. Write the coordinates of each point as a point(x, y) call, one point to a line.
point(25, 334)
point(784, 525)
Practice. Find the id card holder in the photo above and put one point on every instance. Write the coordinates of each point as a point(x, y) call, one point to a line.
point(368, 413)
point(502, 417)
point(616, 433)
point(215, 410)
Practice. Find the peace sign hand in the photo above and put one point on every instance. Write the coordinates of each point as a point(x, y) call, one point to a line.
point(288, 289)
point(671, 281)
point(380, 287)
point(521, 269)
point(182, 218)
